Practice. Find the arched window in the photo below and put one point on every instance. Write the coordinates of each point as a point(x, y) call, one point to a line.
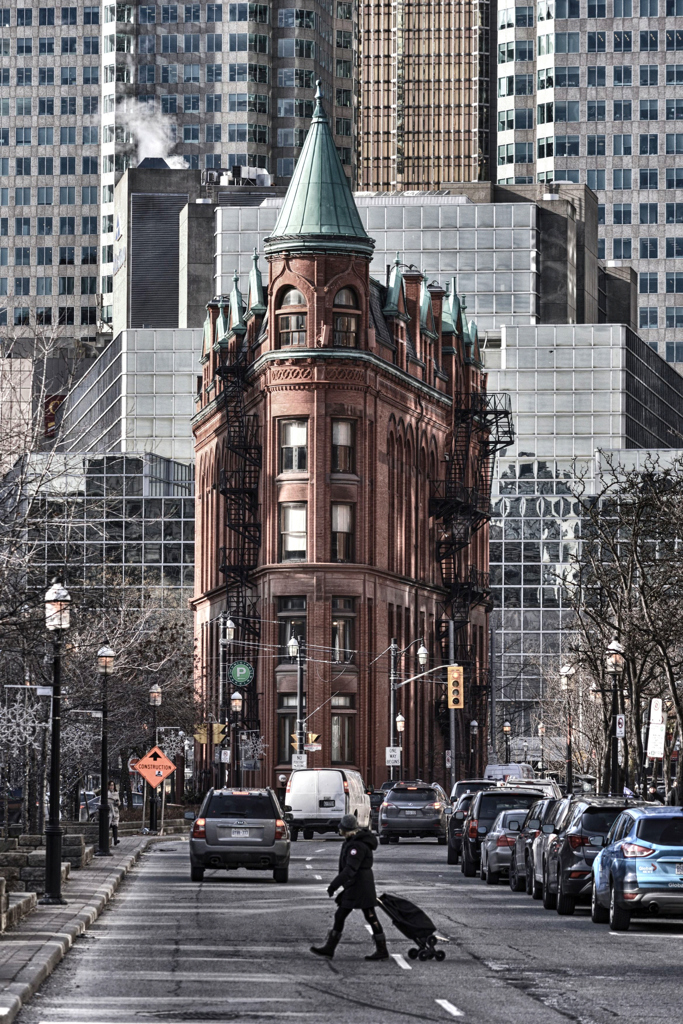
point(346, 324)
point(291, 324)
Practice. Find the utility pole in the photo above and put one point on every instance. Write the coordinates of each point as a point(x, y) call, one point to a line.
point(393, 679)
point(300, 740)
point(451, 712)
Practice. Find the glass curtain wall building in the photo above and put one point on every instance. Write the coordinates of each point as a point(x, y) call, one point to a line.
point(574, 389)
point(86, 91)
point(591, 91)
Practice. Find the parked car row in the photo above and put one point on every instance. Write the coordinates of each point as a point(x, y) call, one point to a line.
point(623, 858)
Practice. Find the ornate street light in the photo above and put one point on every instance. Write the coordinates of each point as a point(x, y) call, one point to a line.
point(614, 666)
point(507, 728)
point(155, 702)
point(105, 666)
point(422, 655)
point(566, 673)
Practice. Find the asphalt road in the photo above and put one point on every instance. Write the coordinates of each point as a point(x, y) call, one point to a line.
point(235, 949)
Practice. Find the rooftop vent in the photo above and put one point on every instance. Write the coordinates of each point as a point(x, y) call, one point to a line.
point(155, 162)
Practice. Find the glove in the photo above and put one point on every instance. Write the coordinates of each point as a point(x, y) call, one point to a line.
point(331, 889)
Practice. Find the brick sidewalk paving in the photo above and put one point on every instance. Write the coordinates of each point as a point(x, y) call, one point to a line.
point(30, 952)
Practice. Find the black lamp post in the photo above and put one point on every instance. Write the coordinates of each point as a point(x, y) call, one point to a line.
point(566, 673)
point(474, 729)
point(155, 702)
point(105, 664)
point(506, 734)
point(236, 702)
point(614, 657)
point(541, 736)
point(295, 649)
point(400, 726)
point(57, 621)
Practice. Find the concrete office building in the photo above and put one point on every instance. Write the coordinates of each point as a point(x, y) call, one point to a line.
point(86, 91)
point(591, 93)
point(574, 389)
point(425, 88)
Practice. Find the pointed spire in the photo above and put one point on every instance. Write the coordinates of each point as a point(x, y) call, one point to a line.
point(236, 324)
point(426, 309)
point(319, 209)
point(395, 302)
point(256, 305)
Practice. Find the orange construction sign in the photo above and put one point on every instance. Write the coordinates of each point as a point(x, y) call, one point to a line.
point(155, 767)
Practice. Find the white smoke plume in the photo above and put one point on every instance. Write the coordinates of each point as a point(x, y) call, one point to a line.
point(152, 135)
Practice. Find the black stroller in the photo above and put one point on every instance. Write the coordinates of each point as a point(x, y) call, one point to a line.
point(414, 924)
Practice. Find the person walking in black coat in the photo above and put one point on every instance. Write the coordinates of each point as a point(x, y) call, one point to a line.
point(357, 882)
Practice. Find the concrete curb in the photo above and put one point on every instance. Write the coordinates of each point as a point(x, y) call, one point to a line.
point(15, 995)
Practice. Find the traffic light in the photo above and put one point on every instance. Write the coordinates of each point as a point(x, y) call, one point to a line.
point(200, 734)
point(456, 690)
point(295, 743)
point(218, 732)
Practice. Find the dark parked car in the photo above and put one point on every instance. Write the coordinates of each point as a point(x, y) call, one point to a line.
point(413, 810)
point(570, 854)
point(483, 811)
point(455, 826)
point(471, 786)
point(240, 829)
point(521, 862)
point(376, 800)
point(640, 870)
point(497, 844)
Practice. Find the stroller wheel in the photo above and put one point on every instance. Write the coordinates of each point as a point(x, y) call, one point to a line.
point(413, 953)
point(423, 954)
point(431, 941)
point(440, 955)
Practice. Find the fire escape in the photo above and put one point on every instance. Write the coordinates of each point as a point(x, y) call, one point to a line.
point(460, 504)
point(238, 483)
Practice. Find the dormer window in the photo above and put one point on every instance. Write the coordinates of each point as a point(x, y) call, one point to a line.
point(346, 323)
point(291, 321)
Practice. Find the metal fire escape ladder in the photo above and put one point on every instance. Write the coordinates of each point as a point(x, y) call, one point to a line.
point(482, 426)
point(238, 483)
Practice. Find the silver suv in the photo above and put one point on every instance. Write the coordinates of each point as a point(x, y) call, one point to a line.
point(240, 828)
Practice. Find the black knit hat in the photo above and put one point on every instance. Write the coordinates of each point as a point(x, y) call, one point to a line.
point(349, 823)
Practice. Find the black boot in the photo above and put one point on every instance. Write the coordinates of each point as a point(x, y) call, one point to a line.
point(381, 952)
point(330, 945)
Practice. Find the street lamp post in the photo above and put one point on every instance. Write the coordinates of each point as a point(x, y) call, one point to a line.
point(614, 659)
point(506, 734)
point(400, 726)
point(57, 620)
point(236, 710)
point(295, 650)
point(155, 702)
point(105, 664)
point(566, 673)
point(227, 636)
point(541, 736)
point(525, 745)
point(422, 659)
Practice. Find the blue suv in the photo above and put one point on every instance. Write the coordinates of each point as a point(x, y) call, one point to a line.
point(639, 872)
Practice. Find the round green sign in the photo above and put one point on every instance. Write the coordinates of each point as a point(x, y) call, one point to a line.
point(241, 673)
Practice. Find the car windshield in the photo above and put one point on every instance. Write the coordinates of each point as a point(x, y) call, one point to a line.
point(662, 831)
point(493, 803)
point(470, 787)
point(232, 805)
point(599, 819)
point(412, 796)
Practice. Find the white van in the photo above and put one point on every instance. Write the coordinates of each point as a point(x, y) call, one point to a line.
point(318, 798)
point(503, 772)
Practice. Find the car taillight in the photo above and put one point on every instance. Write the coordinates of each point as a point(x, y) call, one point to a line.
point(576, 842)
point(346, 786)
point(280, 829)
point(436, 806)
point(635, 850)
point(199, 829)
point(473, 829)
point(505, 841)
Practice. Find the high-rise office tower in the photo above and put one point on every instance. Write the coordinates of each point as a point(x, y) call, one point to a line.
point(86, 91)
point(425, 94)
point(590, 91)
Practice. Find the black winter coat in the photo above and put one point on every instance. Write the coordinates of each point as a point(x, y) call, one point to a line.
point(355, 872)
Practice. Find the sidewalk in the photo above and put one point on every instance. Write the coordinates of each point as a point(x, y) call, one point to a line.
point(30, 952)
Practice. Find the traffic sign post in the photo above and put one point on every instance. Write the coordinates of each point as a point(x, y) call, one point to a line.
point(299, 761)
point(393, 757)
point(621, 727)
point(155, 767)
point(241, 673)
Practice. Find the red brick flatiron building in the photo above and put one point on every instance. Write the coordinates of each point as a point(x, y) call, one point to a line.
point(344, 441)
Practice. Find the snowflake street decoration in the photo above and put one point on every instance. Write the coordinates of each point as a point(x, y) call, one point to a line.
point(20, 727)
point(173, 745)
point(252, 746)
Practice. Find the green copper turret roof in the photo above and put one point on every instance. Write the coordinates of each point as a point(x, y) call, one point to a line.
point(319, 212)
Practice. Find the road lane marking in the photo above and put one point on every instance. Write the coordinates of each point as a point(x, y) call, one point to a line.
point(321, 850)
point(449, 1008)
point(401, 962)
point(309, 858)
point(319, 877)
point(310, 867)
point(369, 928)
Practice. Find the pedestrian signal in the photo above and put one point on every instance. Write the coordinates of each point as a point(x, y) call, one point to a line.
point(456, 694)
point(218, 730)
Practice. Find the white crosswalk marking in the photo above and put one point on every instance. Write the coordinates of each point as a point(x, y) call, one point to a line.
point(449, 1008)
point(401, 961)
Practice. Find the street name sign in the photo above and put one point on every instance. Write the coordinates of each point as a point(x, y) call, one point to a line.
point(155, 767)
point(299, 761)
point(241, 673)
point(313, 746)
point(393, 757)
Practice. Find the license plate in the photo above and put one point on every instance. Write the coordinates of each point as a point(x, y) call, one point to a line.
point(327, 803)
point(411, 812)
point(679, 869)
point(240, 833)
